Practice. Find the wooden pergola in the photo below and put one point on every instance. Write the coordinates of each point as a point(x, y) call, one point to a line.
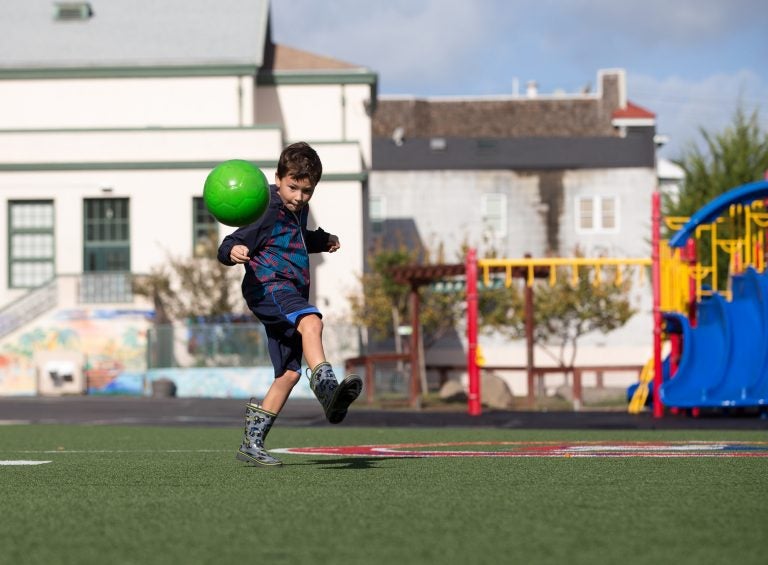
point(416, 276)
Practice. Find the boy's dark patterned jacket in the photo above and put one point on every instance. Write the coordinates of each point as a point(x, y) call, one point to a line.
point(278, 245)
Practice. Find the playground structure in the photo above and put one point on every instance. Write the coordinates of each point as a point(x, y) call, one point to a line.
point(714, 306)
point(710, 301)
point(710, 308)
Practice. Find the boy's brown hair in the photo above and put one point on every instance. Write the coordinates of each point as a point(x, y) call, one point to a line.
point(300, 161)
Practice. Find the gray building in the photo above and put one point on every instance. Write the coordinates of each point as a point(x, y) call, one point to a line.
point(516, 174)
point(548, 175)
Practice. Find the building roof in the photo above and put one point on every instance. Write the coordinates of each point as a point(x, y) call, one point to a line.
point(287, 58)
point(133, 34)
point(580, 115)
point(633, 112)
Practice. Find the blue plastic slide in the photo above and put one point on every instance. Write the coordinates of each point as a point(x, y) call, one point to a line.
point(724, 359)
point(746, 317)
point(705, 356)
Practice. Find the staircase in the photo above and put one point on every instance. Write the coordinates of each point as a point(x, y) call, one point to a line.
point(29, 306)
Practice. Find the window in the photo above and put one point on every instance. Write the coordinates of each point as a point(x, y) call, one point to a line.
point(597, 214)
point(30, 243)
point(205, 228)
point(377, 213)
point(72, 11)
point(107, 245)
point(494, 210)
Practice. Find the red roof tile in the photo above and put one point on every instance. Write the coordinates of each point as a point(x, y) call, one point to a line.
point(633, 111)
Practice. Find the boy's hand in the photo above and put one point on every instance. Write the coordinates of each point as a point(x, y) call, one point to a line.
point(239, 254)
point(333, 243)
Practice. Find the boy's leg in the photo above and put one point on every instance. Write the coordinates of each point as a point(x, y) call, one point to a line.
point(335, 397)
point(279, 391)
point(258, 422)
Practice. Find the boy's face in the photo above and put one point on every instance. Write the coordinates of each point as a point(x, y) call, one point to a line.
point(293, 192)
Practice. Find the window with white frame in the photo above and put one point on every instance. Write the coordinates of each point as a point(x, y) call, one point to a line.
point(31, 243)
point(494, 211)
point(597, 214)
point(377, 213)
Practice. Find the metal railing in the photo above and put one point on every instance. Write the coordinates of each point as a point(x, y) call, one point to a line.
point(207, 345)
point(29, 306)
point(105, 288)
point(64, 291)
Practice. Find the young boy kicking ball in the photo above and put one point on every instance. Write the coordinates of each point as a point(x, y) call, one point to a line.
point(275, 251)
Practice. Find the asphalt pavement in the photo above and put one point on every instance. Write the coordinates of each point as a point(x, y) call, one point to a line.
point(172, 411)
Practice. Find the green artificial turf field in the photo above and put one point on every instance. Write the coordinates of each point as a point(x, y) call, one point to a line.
point(150, 495)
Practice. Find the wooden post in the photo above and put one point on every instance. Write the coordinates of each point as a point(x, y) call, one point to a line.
point(370, 380)
point(415, 388)
point(576, 389)
point(529, 361)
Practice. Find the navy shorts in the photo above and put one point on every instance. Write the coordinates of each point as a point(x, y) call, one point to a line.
point(280, 313)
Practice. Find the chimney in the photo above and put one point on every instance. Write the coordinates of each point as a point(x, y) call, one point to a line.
point(531, 89)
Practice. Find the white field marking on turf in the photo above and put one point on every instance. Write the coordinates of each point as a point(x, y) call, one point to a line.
point(24, 462)
point(643, 448)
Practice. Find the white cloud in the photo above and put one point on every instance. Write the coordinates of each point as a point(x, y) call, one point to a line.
point(405, 41)
point(683, 106)
point(689, 61)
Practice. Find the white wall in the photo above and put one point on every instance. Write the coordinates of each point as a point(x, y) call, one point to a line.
point(318, 113)
point(125, 147)
point(127, 102)
point(446, 208)
point(632, 187)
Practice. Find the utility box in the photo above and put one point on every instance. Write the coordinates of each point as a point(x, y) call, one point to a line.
point(59, 373)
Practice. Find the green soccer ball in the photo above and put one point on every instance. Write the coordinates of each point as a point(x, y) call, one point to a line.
point(236, 193)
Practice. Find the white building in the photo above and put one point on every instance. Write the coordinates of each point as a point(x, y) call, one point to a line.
point(112, 115)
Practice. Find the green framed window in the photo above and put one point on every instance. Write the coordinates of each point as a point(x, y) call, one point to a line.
point(106, 241)
point(31, 249)
point(205, 229)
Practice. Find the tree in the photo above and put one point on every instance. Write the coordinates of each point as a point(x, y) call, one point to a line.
point(383, 302)
point(735, 156)
point(187, 288)
point(564, 312)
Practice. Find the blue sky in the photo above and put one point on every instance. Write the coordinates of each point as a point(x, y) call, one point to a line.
point(690, 61)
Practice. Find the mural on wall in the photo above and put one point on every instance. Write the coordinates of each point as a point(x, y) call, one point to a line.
point(111, 341)
point(111, 345)
point(224, 382)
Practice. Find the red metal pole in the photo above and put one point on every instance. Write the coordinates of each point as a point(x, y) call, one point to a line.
point(473, 402)
point(658, 407)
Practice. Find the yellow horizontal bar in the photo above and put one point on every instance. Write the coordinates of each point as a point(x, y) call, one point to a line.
point(564, 262)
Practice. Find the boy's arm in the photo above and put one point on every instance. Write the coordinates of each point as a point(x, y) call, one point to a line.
point(319, 240)
point(248, 236)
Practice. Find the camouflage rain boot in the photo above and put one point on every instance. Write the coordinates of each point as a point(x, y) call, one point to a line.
point(257, 425)
point(335, 398)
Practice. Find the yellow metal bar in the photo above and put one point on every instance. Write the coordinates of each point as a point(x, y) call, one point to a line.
point(714, 256)
point(565, 262)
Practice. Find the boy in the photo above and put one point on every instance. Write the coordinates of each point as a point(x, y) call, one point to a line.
point(274, 250)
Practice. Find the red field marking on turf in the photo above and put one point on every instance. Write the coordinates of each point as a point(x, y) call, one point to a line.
point(543, 449)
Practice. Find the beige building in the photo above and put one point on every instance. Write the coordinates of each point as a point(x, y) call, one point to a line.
point(112, 115)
